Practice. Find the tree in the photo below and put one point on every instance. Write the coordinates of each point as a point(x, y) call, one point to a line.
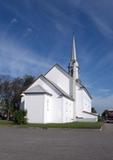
point(104, 114)
point(93, 110)
point(16, 89)
point(18, 86)
point(10, 92)
point(6, 96)
point(28, 80)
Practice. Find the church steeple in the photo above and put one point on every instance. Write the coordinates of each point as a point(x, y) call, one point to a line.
point(73, 64)
point(73, 54)
point(73, 71)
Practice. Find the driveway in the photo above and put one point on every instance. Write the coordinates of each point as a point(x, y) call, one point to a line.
point(56, 144)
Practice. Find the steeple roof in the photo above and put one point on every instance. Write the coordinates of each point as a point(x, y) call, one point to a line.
point(73, 54)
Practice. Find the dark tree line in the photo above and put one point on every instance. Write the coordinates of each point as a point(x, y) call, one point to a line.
point(10, 92)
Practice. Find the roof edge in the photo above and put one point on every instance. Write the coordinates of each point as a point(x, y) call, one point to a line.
point(57, 65)
point(67, 96)
point(32, 82)
point(37, 93)
point(94, 114)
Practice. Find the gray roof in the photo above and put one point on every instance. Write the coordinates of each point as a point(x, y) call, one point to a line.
point(36, 90)
point(66, 73)
point(60, 69)
point(57, 87)
point(94, 114)
point(63, 93)
point(83, 87)
point(39, 90)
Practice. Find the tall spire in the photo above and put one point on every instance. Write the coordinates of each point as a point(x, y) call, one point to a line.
point(73, 54)
point(73, 67)
point(73, 71)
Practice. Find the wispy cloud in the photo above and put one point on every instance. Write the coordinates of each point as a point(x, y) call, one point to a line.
point(100, 12)
point(62, 21)
point(17, 60)
point(102, 25)
point(105, 90)
point(28, 32)
point(20, 15)
point(13, 21)
point(29, 29)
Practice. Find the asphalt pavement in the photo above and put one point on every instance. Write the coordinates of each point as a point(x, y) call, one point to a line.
point(56, 144)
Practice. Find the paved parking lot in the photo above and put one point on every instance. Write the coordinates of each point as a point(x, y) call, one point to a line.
point(56, 144)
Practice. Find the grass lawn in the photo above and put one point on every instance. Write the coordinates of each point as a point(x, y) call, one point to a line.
point(6, 123)
point(81, 125)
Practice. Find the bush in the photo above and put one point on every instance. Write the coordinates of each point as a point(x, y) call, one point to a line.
point(20, 117)
point(100, 119)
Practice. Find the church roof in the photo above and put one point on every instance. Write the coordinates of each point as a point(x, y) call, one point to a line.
point(66, 73)
point(83, 87)
point(60, 69)
point(58, 88)
point(94, 114)
point(39, 90)
point(36, 90)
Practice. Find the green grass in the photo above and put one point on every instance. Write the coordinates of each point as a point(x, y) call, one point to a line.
point(6, 123)
point(80, 125)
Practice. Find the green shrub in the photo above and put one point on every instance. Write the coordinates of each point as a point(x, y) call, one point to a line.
point(100, 119)
point(20, 117)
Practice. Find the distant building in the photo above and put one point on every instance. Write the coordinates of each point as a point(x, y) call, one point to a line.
point(58, 96)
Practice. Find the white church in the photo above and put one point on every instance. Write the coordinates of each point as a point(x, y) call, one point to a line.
point(58, 96)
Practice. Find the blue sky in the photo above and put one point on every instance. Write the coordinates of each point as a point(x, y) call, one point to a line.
point(36, 34)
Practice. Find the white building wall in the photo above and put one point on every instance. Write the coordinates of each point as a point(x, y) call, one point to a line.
point(52, 104)
point(79, 101)
point(55, 104)
point(34, 104)
point(90, 116)
point(67, 110)
point(53, 109)
point(83, 101)
point(85, 117)
point(58, 110)
point(56, 76)
point(48, 109)
point(87, 102)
